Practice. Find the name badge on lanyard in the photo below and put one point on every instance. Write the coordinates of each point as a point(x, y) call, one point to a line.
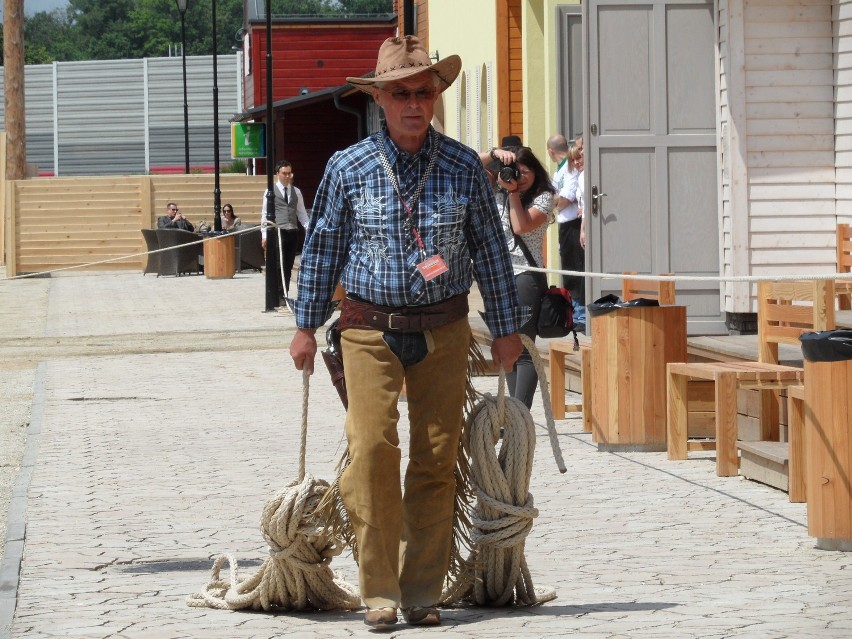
point(432, 267)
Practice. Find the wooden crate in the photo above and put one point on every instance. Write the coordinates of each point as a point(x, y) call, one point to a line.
point(630, 350)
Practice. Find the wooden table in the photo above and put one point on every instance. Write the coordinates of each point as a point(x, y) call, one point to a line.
point(220, 261)
point(630, 350)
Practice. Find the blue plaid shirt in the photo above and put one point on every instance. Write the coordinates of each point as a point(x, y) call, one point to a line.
point(358, 233)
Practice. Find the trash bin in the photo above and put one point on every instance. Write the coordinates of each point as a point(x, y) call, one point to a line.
point(828, 437)
point(632, 342)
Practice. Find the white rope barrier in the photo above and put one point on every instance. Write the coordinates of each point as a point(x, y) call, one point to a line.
point(691, 278)
point(127, 257)
point(551, 271)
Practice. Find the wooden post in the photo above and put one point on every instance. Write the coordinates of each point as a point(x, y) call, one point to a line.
point(13, 66)
point(828, 452)
point(630, 350)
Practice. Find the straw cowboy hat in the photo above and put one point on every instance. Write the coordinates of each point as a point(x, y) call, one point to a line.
point(403, 57)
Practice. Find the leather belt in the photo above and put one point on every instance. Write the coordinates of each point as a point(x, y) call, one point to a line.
point(408, 319)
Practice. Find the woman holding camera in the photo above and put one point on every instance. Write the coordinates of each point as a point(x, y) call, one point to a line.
point(525, 200)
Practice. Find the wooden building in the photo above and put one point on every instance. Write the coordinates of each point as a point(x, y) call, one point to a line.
point(718, 133)
point(315, 111)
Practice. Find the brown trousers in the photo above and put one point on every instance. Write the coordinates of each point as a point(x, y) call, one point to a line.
point(404, 539)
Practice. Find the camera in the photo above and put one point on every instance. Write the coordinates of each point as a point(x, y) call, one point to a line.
point(509, 172)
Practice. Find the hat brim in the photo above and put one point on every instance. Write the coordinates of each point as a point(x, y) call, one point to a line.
point(447, 71)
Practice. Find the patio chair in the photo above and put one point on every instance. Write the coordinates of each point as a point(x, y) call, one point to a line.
point(183, 256)
point(662, 291)
point(250, 251)
point(151, 244)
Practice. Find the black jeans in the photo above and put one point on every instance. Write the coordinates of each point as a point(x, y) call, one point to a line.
point(523, 379)
point(573, 258)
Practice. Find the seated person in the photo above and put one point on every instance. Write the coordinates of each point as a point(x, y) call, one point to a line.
point(174, 219)
point(229, 222)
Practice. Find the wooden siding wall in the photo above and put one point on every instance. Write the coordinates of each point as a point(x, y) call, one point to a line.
point(510, 64)
point(421, 10)
point(314, 57)
point(59, 222)
point(777, 140)
point(842, 18)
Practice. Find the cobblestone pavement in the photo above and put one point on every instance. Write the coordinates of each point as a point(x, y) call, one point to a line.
point(147, 421)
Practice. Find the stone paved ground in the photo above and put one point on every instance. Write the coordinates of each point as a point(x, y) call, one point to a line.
point(161, 414)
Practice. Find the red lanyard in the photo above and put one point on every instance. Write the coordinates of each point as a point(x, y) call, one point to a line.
point(392, 177)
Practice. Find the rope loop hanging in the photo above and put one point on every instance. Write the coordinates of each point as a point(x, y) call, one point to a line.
point(497, 572)
point(297, 574)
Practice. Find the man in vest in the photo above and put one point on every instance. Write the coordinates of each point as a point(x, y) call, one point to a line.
point(289, 211)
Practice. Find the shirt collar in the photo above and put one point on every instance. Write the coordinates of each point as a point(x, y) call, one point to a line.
point(561, 163)
point(394, 152)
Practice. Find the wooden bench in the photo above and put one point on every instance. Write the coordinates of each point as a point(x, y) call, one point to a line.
point(785, 311)
point(559, 349)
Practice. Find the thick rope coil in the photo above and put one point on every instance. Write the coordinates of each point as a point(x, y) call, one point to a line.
point(296, 575)
point(497, 572)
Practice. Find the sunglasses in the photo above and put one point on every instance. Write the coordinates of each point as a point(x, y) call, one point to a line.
point(404, 95)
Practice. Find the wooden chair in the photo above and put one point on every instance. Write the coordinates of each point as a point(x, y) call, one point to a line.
point(785, 311)
point(843, 288)
point(183, 256)
point(662, 291)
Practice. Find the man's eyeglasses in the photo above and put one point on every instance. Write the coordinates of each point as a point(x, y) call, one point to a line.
point(175, 209)
point(404, 95)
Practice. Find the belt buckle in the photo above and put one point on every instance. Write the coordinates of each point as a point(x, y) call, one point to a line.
point(391, 316)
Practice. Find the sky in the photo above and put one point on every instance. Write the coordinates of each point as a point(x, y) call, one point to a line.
point(34, 6)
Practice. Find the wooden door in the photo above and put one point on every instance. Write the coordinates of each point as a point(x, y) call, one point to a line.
point(650, 139)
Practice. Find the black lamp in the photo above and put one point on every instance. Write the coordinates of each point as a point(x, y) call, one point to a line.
point(217, 192)
point(181, 5)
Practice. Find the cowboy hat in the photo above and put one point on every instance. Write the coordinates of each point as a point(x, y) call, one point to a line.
point(403, 57)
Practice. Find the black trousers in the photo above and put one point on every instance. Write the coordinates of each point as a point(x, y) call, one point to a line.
point(289, 248)
point(573, 258)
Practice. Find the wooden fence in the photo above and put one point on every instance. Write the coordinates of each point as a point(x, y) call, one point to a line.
point(52, 223)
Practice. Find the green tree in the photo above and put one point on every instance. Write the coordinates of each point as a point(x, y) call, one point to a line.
point(117, 29)
point(366, 6)
point(49, 36)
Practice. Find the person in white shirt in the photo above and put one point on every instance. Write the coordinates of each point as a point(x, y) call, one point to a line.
point(289, 212)
point(568, 214)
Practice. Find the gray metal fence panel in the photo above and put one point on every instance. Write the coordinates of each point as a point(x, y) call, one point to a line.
point(39, 108)
point(100, 111)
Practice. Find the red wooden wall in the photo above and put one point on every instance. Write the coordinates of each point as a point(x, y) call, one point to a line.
point(315, 57)
point(306, 138)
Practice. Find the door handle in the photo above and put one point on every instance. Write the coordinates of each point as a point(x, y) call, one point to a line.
point(595, 197)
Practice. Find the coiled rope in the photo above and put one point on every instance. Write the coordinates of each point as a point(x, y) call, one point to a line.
point(297, 574)
point(496, 572)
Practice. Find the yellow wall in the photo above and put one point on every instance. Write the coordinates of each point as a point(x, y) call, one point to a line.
point(468, 29)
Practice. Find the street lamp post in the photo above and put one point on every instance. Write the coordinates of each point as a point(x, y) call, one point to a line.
point(217, 192)
point(181, 5)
